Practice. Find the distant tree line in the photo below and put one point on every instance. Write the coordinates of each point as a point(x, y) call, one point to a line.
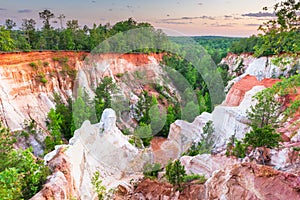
point(69, 36)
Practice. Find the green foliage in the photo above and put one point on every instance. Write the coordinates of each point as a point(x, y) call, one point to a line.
point(144, 132)
point(151, 170)
point(142, 108)
point(21, 174)
point(54, 124)
point(246, 45)
point(175, 173)
point(157, 117)
point(206, 143)
point(10, 184)
point(82, 109)
point(74, 37)
point(33, 65)
point(192, 177)
point(65, 111)
point(45, 63)
point(43, 79)
point(216, 47)
point(98, 187)
point(190, 111)
point(280, 34)
point(170, 118)
point(103, 95)
point(239, 149)
point(266, 111)
point(6, 42)
point(262, 137)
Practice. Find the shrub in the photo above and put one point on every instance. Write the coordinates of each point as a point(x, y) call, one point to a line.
point(33, 65)
point(119, 75)
point(98, 187)
point(262, 137)
point(239, 150)
point(45, 64)
point(151, 170)
point(42, 78)
point(175, 173)
point(189, 178)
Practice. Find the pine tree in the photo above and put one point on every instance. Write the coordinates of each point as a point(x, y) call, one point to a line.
point(175, 173)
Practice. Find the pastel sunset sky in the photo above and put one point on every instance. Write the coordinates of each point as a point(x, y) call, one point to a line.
point(175, 17)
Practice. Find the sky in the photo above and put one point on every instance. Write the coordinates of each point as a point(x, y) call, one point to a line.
point(175, 17)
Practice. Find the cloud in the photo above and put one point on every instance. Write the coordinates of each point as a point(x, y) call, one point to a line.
point(256, 25)
point(2, 9)
point(191, 18)
point(227, 16)
point(172, 21)
point(237, 18)
point(25, 11)
point(183, 20)
point(200, 4)
point(259, 14)
point(222, 25)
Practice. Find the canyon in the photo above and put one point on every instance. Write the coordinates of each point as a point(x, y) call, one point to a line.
point(102, 147)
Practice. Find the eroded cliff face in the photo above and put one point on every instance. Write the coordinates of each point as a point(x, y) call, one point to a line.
point(100, 147)
point(28, 80)
point(90, 149)
point(23, 95)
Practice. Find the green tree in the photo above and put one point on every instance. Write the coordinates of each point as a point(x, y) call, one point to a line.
point(103, 95)
point(10, 24)
point(10, 184)
point(28, 26)
point(170, 118)
point(65, 112)
point(144, 133)
point(190, 111)
point(21, 173)
point(54, 124)
point(81, 109)
point(142, 108)
point(61, 18)
point(266, 111)
point(281, 35)
point(46, 15)
point(6, 42)
point(6, 146)
point(262, 137)
point(158, 118)
point(175, 173)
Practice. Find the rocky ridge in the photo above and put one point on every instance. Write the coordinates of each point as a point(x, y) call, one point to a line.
point(73, 165)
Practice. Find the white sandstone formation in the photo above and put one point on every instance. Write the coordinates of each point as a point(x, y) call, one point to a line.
point(101, 147)
point(206, 164)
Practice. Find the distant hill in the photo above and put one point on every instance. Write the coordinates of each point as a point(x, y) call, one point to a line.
point(216, 46)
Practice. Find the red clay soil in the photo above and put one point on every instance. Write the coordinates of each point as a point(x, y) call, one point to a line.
point(136, 59)
point(27, 57)
point(22, 57)
point(237, 92)
point(153, 189)
point(156, 143)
